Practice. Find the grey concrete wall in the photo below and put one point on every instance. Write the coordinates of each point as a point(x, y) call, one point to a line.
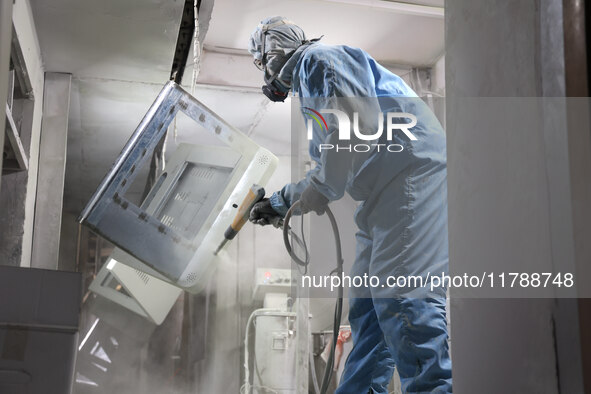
point(507, 197)
point(12, 212)
point(52, 168)
point(17, 200)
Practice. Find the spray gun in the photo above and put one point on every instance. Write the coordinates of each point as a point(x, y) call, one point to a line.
point(255, 194)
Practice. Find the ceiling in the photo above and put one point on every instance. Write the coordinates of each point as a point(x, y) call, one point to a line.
point(120, 55)
point(388, 35)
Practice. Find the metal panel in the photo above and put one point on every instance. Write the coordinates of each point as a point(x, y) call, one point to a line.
point(38, 329)
point(135, 290)
point(173, 234)
point(52, 171)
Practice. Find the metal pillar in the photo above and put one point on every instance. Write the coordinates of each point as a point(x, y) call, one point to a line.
point(52, 171)
point(537, 331)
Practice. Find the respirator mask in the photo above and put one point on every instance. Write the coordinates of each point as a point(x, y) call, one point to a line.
point(274, 59)
point(273, 93)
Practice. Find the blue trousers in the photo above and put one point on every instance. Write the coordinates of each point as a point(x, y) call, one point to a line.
point(400, 233)
point(410, 334)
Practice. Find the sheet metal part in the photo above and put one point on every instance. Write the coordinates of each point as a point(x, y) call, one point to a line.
point(166, 251)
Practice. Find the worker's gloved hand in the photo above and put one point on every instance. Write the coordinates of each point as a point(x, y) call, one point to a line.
point(312, 200)
point(263, 213)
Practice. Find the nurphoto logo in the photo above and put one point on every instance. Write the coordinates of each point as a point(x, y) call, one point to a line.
point(344, 123)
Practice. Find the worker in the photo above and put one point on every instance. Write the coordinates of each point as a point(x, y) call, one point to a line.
point(402, 214)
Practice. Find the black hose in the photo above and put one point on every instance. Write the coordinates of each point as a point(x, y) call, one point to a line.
point(339, 270)
point(286, 231)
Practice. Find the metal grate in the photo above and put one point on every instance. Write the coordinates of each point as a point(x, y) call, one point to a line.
point(202, 172)
point(192, 276)
point(143, 276)
point(263, 159)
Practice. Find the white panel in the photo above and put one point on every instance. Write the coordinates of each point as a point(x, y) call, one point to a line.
point(143, 294)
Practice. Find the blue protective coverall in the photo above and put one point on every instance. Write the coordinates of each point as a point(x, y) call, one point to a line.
point(402, 221)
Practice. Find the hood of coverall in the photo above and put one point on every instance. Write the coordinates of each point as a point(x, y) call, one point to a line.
point(272, 43)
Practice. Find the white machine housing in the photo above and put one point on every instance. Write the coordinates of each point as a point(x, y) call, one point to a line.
point(174, 233)
point(272, 281)
point(135, 290)
point(275, 352)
